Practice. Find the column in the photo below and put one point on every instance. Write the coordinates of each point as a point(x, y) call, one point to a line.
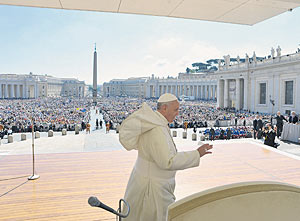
point(1, 91)
point(214, 92)
point(21, 95)
point(238, 94)
point(200, 94)
point(208, 92)
point(24, 91)
point(36, 91)
point(195, 91)
point(220, 95)
point(245, 94)
point(12, 91)
point(277, 93)
point(149, 92)
point(216, 89)
point(27, 92)
point(226, 93)
point(6, 91)
point(18, 91)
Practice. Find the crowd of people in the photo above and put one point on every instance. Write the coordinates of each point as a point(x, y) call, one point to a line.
point(191, 113)
point(44, 113)
point(58, 113)
point(219, 123)
point(270, 130)
point(227, 133)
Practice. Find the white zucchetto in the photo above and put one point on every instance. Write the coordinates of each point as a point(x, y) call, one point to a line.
point(167, 98)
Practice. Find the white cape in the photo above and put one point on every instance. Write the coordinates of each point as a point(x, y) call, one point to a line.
point(151, 186)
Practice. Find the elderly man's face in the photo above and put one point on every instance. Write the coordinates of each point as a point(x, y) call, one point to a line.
point(171, 111)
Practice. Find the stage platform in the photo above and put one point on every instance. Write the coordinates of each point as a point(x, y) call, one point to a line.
point(68, 179)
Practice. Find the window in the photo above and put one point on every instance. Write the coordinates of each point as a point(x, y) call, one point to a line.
point(289, 92)
point(263, 93)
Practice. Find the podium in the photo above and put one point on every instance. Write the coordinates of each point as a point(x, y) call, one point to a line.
point(249, 201)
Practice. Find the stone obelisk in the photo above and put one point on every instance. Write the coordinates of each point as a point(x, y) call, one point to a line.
point(95, 77)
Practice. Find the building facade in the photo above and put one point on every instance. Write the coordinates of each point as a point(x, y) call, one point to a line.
point(198, 86)
point(265, 86)
point(14, 86)
point(133, 87)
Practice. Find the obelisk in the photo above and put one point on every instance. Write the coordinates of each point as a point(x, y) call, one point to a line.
point(95, 77)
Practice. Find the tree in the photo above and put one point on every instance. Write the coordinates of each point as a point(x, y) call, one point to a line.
point(201, 66)
point(213, 68)
point(188, 70)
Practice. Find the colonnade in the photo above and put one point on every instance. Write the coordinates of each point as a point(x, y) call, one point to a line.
point(206, 92)
point(233, 93)
point(10, 91)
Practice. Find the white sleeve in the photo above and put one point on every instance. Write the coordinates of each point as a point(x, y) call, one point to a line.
point(165, 156)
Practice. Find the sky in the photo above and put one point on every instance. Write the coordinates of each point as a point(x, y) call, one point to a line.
point(60, 43)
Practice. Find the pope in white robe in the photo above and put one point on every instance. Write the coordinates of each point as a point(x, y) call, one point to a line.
point(150, 189)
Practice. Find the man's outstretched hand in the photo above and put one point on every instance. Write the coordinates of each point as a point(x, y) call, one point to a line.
point(204, 149)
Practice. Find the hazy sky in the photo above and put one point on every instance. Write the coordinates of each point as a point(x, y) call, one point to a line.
point(61, 42)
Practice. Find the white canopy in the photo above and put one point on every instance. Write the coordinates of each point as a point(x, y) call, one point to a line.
point(232, 11)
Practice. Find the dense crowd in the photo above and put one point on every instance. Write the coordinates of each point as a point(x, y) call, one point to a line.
point(45, 113)
point(218, 123)
point(58, 113)
point(191, 113)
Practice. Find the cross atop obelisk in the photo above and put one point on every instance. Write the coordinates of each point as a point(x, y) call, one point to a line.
point(95, 77)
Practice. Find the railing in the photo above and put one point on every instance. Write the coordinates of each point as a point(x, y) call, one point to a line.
point(260, 63)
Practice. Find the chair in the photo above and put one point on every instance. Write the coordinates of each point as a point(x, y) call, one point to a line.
point(249, 201)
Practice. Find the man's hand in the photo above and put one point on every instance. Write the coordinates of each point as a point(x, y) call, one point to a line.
point(204, 149)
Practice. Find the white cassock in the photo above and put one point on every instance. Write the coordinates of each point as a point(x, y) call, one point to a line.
point(150, 189)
